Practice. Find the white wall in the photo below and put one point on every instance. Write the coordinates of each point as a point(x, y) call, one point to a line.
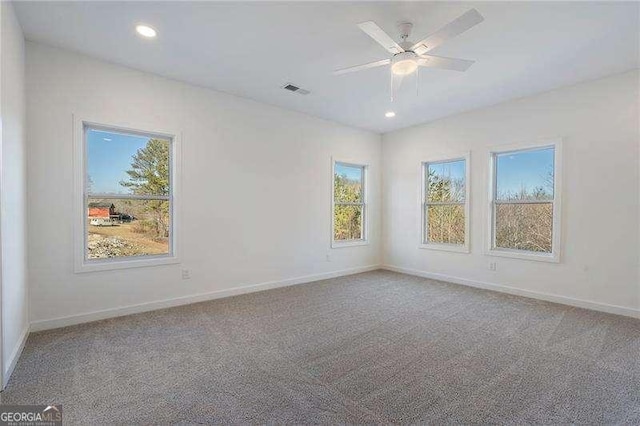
point(599, 122)
point(239, 154)
point(15, 321)
point(256, 187)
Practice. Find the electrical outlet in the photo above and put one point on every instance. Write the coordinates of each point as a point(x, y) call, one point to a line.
point(186, 274)
point(492, 266)
point(328, 257)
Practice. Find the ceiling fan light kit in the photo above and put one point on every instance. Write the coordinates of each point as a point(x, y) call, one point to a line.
point(408, 57)
point(404, 63)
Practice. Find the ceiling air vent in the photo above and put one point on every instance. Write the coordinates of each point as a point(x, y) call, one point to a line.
point(293, 88)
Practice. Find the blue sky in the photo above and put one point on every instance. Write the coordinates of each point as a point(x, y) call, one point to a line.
point(353, 173)
point(515, 170)
point(453, 169)
point(109, 157)
point(525, 168)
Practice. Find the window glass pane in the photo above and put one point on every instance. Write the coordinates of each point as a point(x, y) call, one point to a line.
point(120, 228)
point(119, 163)
point(446, 181)
point(525, 175)
point(524, 226)
point(348, 183)
point(347, 223)
point(445, 224)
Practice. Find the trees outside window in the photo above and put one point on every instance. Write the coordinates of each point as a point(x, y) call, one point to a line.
point(444, 204)
point(128, 194)
point(349, 203)
point(524, 201)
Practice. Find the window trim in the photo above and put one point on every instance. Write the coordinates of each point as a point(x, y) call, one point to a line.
point(365, 204)
point(556, 237)
point(81, 264)
point(458, 248)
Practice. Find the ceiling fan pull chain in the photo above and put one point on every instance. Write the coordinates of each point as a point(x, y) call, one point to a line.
point(391, 85)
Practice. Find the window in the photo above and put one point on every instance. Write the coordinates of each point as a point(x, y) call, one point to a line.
point(127, 212)
point(445, 208)
point(349, 204)
point(525, 203)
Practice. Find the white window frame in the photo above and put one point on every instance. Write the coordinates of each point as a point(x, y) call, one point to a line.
point(424, 244)
point(81, 262)
point(365, 213)
point(491, 250)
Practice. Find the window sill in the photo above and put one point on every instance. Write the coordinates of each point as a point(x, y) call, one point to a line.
point(525, 255)
point(446, 247)
point(350, 243)
point(111, 264)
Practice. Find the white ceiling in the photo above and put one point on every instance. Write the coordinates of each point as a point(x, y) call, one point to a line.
point(252, 49)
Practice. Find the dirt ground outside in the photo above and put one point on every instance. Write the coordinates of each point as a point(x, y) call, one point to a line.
point(121, 240)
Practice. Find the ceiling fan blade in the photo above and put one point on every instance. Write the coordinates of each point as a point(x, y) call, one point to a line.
point(431, 61)
point(452, 29)
point(376, 33)
point(363, 67)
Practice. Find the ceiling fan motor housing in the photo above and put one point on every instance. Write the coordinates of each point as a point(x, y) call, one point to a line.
point(406, 45)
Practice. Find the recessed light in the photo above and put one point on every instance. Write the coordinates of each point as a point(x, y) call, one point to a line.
point(146, 31)
point(389, 114)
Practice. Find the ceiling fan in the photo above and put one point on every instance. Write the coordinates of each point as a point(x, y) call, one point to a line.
point(408, 56)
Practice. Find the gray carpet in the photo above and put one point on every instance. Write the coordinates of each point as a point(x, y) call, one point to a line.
point(377, 347)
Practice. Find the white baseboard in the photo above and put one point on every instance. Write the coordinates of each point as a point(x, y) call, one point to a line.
point(603, 307)
point(185, 300)
point(13, 358)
